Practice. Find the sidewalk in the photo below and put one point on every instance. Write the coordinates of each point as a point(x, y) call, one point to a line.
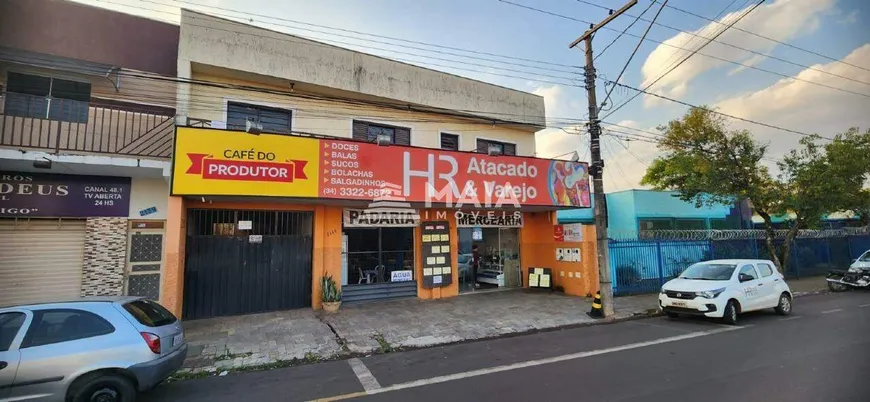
point(296, 336)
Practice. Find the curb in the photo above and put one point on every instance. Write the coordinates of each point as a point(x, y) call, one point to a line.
point(638, 315)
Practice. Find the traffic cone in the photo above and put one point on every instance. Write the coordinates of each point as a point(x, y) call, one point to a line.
point(596, 311)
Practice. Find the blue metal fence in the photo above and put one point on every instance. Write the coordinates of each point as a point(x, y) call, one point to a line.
point(642, 266)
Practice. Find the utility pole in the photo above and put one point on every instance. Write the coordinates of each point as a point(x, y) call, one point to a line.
point(597, 166)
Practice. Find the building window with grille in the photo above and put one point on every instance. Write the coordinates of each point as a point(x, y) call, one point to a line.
point(450, 141)
point(40, 97)
point(274, 120)
point(504, 148)
point(369, 132)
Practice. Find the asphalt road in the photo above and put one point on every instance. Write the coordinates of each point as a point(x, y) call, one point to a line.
point(820, 353)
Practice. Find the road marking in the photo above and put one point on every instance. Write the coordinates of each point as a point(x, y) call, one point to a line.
point(864, 305)
point(832, 311)
point(521, 365)
point(365, 377)
point(791, 318)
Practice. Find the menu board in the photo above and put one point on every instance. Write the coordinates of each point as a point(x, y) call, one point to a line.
point(437, 269)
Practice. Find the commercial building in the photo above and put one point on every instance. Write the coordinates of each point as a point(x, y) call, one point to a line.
point(84, 147)
point(634, 211)
point(295, 160)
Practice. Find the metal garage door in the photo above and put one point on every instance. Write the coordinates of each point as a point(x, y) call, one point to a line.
point(240, 262)
point(40, 260)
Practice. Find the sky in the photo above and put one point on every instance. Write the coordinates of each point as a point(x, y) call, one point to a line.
point(812, 77)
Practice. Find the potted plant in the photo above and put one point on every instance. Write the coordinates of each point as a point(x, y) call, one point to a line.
point(330, 294)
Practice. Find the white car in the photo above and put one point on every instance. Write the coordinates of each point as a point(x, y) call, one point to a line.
point(726, 288)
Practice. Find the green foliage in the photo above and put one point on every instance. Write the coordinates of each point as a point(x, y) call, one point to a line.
point(627, 274)
point(329, 292)
point(706, 163)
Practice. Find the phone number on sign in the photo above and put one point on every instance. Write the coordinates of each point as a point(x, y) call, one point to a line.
point(360, 192)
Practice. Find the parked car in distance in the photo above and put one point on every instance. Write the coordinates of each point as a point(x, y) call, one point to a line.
point(725, 288)
point(100, 349)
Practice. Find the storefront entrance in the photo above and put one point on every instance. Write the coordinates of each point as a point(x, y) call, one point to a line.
point(378, 264)
point(241, 262)
point(489, 258)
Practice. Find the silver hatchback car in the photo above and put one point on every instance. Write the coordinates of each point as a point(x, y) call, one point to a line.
point(102, 349)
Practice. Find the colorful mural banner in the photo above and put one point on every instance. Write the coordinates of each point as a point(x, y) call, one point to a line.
point(218, 162)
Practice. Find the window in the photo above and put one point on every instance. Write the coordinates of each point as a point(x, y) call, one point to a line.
point(369, 132)
point(373, 254)
point(690, 224)
point(449, 141)
point(274, 120)
point(149, 313)
point(765, 269)
point(504, 148)
point(10, 323)
point(47, 98)
point(656, 224)
point(748, 270)
point(55, 326)
point(710, 272)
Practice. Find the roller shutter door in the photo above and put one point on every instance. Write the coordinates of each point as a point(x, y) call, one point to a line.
point(40, 260)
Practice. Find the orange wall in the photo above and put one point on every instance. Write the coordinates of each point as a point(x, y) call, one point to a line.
point(172, 287)
point(538, 249)
point(326, 257)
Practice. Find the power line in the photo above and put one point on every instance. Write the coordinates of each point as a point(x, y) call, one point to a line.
point(373, 35)
point(769, 38)
point(634, 52)
point(684, 59)
point(749, 66)
point(160, 96)
point(765, 55)
point(632, 153)
point(716, 111)
point(636, 19)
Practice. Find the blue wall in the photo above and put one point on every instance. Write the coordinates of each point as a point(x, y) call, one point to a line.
point(624, 208)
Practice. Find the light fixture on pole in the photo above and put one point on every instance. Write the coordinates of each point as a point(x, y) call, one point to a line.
point(253, 127)
point(384, 140)
point(43, 163)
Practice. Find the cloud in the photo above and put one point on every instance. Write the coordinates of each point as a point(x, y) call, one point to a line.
point(805, 107)
point(851, 18)
point(782, 20)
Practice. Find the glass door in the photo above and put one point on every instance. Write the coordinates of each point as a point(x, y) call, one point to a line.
point(509, 253)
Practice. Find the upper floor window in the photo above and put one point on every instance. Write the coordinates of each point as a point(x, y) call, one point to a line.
point(369, 132)
point(273, 120)
point(504, 148)
point(40, 97)
point(449, 141)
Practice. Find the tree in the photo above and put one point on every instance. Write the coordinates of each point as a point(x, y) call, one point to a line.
point(849, 153)
point(707, 163)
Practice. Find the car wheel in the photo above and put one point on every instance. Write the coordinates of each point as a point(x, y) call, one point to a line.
point(103, 388)
point(731, 312)
point(837, 287)
point(784, 306)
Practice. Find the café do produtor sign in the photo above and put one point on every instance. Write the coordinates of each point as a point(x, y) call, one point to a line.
point(25, 194)
point(218, 162)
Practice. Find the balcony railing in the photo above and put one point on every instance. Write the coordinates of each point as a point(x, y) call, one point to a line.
point(61, 125)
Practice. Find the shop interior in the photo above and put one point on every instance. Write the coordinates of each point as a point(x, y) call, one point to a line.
point(489, 258)
point(374, 253)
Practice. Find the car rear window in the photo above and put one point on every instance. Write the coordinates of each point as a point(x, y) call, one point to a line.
point(149, 313)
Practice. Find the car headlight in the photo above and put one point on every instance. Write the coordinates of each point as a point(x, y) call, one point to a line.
point(662, 291)
point(710, 294)
point(854, 269)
